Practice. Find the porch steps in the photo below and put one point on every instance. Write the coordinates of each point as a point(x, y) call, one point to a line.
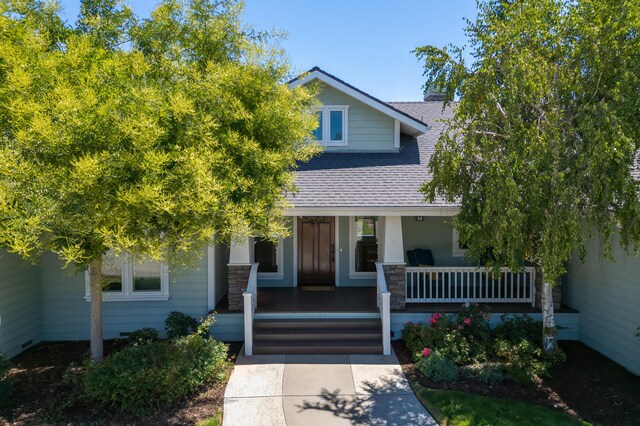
point(317, 336)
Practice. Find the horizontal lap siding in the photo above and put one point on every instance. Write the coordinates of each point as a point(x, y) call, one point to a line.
point(431, 233)
point(369, 129)
point(229, 327)
point(65, 312)
point(608, 297)
point(19, 304)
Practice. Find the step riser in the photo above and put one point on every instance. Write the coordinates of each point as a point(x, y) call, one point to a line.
point(316, 351)
point(257, 325)
point(319, 337)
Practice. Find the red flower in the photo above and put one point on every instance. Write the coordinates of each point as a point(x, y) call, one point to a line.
point(426, 352)
point(435, 318)
point(467, 321)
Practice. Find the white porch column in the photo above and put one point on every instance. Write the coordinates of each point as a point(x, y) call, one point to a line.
point(393, 247)
point(240, 252)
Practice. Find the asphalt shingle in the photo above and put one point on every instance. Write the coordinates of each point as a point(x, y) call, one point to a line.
point(363, 179)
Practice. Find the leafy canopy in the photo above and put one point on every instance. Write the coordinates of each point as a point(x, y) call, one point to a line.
point(544, 137)
point(142, 135)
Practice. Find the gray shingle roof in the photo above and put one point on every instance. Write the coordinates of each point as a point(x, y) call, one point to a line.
point(384, 180)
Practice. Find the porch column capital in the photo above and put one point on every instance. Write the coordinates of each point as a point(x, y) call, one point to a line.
point(240, 252)
point(393, 245)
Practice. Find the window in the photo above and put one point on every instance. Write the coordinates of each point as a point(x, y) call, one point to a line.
point(364, 246)
point(459, 250)
point(126, 279)
point(268, 255)
point(332, 125)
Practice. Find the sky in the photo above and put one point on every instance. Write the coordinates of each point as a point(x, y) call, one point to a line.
point(366, 43)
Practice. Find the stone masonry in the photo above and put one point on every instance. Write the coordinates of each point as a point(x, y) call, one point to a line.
point(396, 283)
point(238, 279)
point(556, 291)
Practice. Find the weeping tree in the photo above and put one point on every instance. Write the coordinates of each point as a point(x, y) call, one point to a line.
point(142, 136)
point(541, 148)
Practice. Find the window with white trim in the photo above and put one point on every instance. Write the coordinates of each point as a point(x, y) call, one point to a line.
point(125, 278)
point(333, 122)
point(459, 250)
point(363, 247)
point(268, 255)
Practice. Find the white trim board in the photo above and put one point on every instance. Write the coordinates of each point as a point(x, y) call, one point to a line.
point(411, 126)
point(372, 211)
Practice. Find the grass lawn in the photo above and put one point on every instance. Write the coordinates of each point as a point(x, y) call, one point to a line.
point(211, 421)
point(453, 408)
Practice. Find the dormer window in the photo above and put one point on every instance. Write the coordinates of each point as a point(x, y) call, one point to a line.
point(332, 125)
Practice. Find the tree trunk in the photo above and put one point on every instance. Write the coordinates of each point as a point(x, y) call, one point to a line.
point(95, 283)
point(549, 339)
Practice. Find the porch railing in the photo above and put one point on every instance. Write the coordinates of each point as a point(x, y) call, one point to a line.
point(384, 305)
point(469, 284)
point(250, 302)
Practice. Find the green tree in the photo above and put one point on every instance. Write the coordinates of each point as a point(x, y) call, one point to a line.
point(544, 137)
point(145, 136)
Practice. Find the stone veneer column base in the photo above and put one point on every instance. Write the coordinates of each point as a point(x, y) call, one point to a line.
point(395, 276)
point(238, 280)
point(556, 292)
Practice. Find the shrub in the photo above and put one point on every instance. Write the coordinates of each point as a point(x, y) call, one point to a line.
point(140, 378)
point(515, 328)
point(438, 368)
point(179, 324)
point(524, 359)
point(6, 387)
point(204, 327)
point(143, 336)
point(488, 372)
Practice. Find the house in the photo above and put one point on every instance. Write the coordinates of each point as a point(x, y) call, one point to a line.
point(365, 254)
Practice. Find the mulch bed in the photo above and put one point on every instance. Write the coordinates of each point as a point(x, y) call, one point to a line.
point(40, 396)
point(589, 386)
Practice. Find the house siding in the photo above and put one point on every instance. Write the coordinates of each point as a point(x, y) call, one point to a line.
point(432, 233)
point(20, 301)
point(369, 129)
point(607, 294)
point(65, 313)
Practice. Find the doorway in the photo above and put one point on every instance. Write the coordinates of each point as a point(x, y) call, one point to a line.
point(316, 250)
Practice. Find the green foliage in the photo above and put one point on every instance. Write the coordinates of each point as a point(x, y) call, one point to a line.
point(179, 324)
point(143, 336)
point(204, 325)
point(516, 328)
point(147, 136)
point(6, 387)
point(544, 136)
point(524, 359)
point(488, 372)
point(139, 378)
point(438, 368)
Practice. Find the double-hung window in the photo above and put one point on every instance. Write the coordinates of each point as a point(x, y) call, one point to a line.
point(268, 255)
point(125, 278)
point(333, 124)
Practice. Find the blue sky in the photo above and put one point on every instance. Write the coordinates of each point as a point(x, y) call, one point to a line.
point(364, 42)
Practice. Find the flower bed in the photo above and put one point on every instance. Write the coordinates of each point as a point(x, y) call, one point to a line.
point(448, 346)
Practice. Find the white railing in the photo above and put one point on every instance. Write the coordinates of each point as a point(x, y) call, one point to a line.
point(384, 304)
point(469, 284)
point(250, 302)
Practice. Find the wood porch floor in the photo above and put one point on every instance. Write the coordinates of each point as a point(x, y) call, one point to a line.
point(354, 299)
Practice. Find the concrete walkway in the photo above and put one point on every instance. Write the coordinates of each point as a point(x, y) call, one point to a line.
point(325, 390)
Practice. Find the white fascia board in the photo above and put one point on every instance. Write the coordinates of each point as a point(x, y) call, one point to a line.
point(372, 211)
point(414, 125)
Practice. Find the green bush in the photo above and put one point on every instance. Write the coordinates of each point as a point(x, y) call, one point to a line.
point(488, 372)
point(438, 368)
point(6, 387)
point(515, 328)
point(179, 324)
point(524, 359)
point(143, 336)
point(140, 378)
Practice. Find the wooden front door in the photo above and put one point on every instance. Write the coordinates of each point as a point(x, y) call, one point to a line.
point(316, 250)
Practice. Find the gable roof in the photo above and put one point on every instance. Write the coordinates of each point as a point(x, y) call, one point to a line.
point(409, 124)
point(375, 181)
